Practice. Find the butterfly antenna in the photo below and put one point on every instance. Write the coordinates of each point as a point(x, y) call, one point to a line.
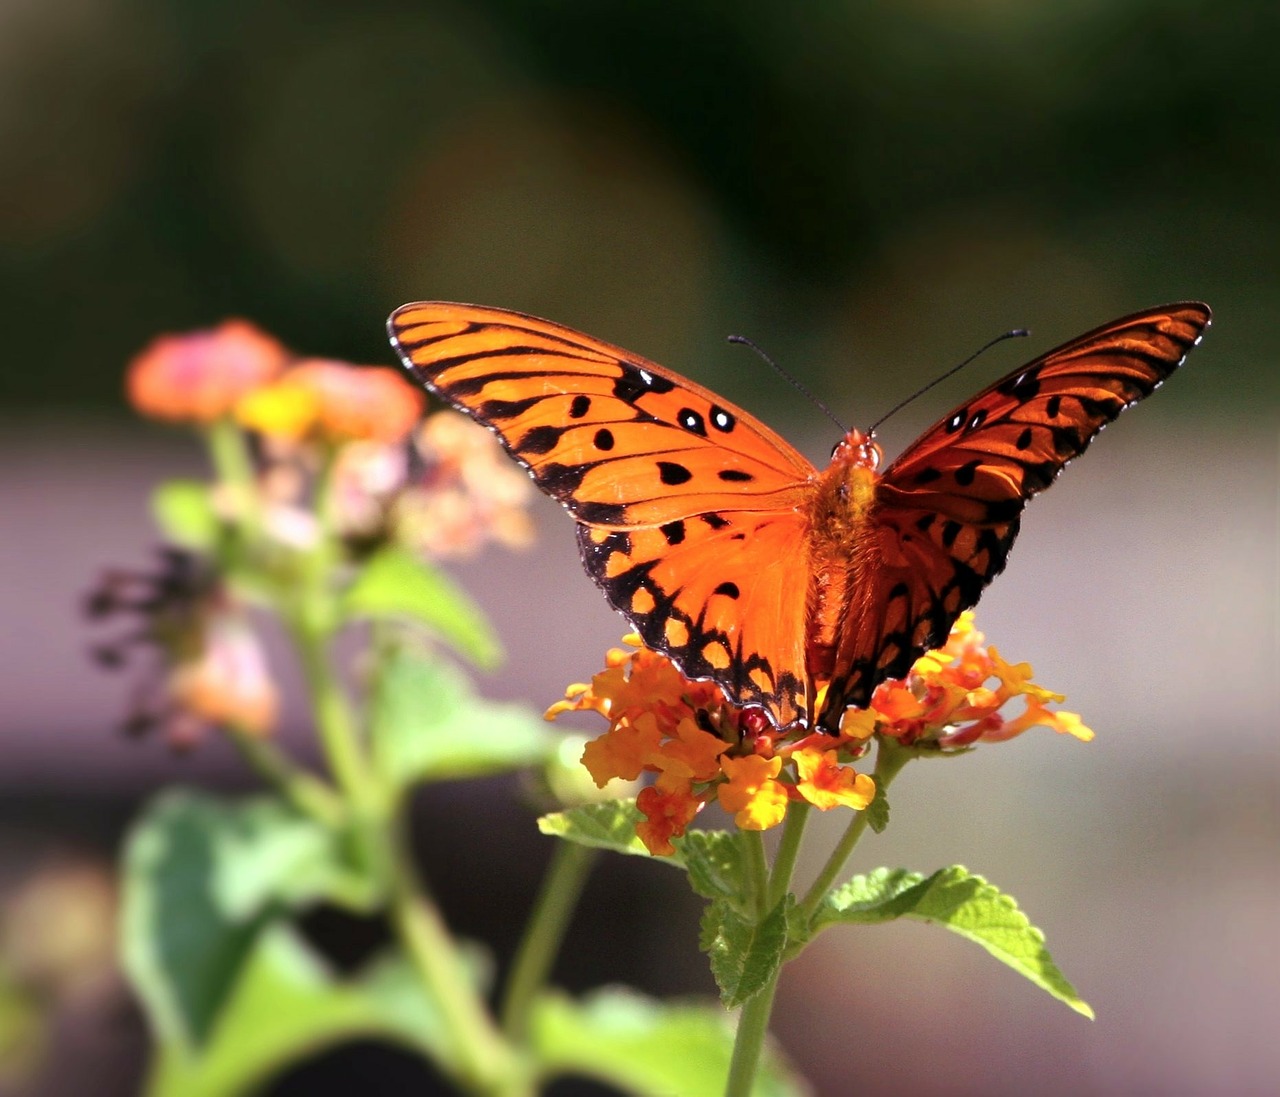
point(1016, 333)
point(791, 381)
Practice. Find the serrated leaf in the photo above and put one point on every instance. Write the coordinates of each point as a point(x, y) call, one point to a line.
point(428, 724)
point(654, 1049)
point(395, 583)
point(963, 902)
point(201, 880)
point(716, 863)
point(285, 1007)
point(745, 955)
point(610, 825)
point(183, 509)
point(878, 810)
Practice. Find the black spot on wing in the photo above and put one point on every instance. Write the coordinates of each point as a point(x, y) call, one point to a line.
point(674, 532)
point(491, 410)
point(722, 420)
point(692, 422)
point(1024, 385)
point(634, 382)
point(580, 406)
point(539, 440)
point(603, 439)
point(673, 474)
point(735, 476)
point(729, 590)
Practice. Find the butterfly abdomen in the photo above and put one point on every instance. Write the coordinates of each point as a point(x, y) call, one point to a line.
point(843, 554)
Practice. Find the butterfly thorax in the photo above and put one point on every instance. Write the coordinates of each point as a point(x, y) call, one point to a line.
point(839, 549)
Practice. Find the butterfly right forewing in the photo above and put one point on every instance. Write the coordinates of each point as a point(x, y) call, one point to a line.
point(947, 510)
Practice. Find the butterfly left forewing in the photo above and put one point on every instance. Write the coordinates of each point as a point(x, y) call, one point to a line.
point(617, 439)
point(947, 511)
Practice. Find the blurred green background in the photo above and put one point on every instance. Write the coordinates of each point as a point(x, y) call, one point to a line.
point(870, 191)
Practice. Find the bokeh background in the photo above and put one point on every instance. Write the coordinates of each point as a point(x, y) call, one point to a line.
point(870, 191)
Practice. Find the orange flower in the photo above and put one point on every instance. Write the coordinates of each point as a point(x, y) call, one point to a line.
point(667, 815)
point(700, 747)
point(198, 377)
point(826, 784)
point(952, 697)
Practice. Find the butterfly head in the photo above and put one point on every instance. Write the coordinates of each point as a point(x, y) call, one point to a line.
point(857, 450)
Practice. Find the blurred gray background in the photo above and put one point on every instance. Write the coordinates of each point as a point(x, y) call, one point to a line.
point(870, 191)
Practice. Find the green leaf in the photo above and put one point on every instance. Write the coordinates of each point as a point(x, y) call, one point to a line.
point(745, 955)
point(183, 509)
point(610, 825)
point(646, 1047)
point(716, 861)
point(966, 904)
point(878, 810)
point(396, 583)
point(285, 1007)
point(201, 879)
point(429, 725)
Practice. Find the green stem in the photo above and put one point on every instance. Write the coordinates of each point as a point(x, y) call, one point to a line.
point(890, 758)
point(748, 1044)
point(570, 864)
point(233, 464)
point(784, 862)
point(309, 795)
point(481, 1061)
point(333, 716)
point(757, 871)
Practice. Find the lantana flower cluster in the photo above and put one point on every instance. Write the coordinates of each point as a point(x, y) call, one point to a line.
point(698, 747)
point(331, 450)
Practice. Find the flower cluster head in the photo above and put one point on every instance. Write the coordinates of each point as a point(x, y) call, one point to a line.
point(952, 698)
point(441, 487)
point(698, 747)
point(701, 748)
point(206, 666)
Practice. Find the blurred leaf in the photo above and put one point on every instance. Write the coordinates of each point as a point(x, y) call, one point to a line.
point(429, 725)
point(183, 509)
point(966, 904)
point(285, 1007)
point(201, 880)
point(745, 955)
point(611, 825)
point(395, 583)
point(647, 1047)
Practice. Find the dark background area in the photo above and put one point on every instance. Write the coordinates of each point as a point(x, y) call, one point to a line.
point(869, 190)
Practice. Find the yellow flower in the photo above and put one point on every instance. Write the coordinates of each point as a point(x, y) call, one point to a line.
point(285, 410)
point(752, 793)
point(826, 784)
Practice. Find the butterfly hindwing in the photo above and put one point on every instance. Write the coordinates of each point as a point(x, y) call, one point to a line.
point(701, 591)
point(947, 510)
point(619, 440)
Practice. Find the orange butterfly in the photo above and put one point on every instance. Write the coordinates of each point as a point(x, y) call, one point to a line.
point(725, 548)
